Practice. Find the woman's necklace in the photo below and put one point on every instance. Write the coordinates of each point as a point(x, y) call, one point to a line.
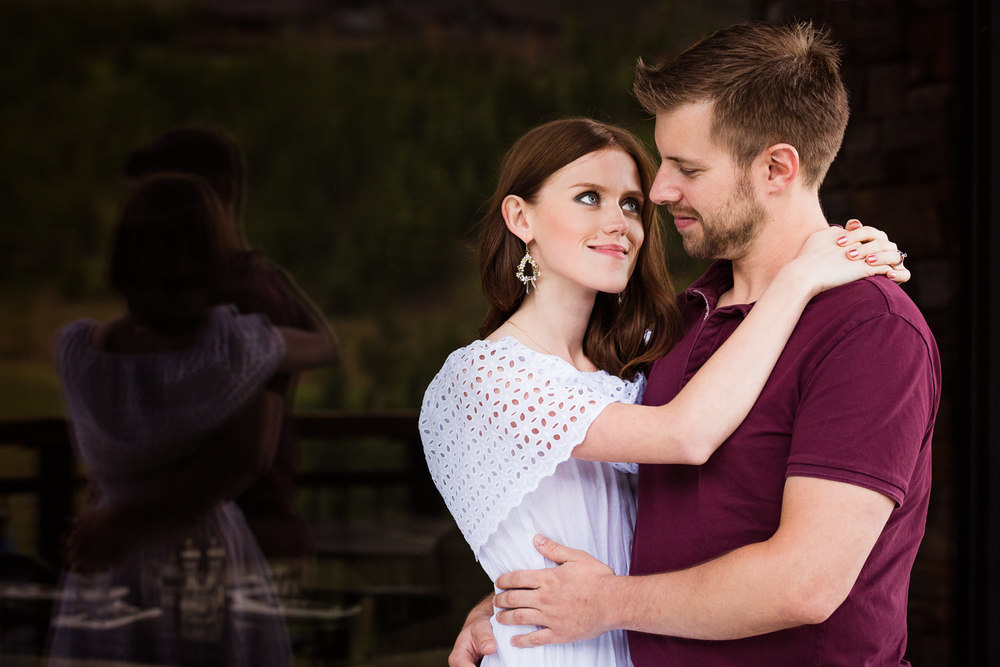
point(543, 348)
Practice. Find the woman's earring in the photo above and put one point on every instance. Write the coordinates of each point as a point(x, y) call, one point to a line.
point(528, 280)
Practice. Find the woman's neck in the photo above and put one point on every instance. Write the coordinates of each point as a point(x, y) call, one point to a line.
point(551, 324)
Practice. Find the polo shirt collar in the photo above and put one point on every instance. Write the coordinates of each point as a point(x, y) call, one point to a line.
point(705, 292)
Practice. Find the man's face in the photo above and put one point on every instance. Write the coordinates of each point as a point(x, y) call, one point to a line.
point(711, 199)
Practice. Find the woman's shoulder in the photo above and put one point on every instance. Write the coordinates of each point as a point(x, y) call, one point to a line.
point(78, 338)
point(486, 359)
point(83, 328)
point(505, 364)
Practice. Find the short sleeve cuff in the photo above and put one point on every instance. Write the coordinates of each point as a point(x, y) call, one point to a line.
point(888, 489)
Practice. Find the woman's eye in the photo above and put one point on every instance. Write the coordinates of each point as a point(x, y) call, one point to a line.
point(589, 198)
point(687, 172)
point(631, 206)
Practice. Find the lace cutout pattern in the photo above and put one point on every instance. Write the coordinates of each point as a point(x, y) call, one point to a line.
point(498, 418)
point(129, 409)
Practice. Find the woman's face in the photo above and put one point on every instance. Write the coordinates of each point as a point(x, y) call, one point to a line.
point(586, 223)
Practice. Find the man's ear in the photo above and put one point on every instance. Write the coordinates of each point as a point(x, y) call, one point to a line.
point(782, 161)
point(516, 215)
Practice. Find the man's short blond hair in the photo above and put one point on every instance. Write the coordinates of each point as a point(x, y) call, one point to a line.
point(768, 84)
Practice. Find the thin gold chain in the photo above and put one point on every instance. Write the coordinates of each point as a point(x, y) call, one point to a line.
point(544, 349)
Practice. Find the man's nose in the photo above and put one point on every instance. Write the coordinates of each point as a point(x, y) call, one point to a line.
point(664, 190)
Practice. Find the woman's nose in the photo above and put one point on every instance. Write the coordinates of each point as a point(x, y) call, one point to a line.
point(617, 224)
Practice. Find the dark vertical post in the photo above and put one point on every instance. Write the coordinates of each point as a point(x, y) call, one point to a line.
point(424, 498)
point(979, 461)
point(55, 504)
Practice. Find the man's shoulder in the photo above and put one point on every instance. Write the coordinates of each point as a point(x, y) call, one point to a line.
point(866, 298)
point(865, 312)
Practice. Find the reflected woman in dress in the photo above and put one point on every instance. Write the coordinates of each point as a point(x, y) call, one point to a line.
point(173, 416)
point(515, 425)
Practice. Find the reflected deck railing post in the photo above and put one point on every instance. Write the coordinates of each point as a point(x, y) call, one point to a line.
point(57, 480)
point(55, 483)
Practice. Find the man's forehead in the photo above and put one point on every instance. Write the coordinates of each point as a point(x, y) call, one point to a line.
point(685, 131)
point(693, 115)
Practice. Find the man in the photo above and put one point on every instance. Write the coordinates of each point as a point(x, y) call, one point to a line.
point(260, 286)
point(793, 544)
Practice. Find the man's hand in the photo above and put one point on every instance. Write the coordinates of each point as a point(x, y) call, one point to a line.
point(564, 600)
point(476, 638)
point(96, 541)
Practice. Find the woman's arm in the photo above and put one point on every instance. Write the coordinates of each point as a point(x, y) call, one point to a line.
point(718, 397)
point(307, 349)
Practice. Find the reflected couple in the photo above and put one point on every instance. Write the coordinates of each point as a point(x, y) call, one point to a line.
point(176, 409)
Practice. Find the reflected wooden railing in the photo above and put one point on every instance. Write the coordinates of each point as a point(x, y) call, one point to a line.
point(57, 479)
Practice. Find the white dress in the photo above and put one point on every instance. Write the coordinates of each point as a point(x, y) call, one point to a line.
point(499, 422)
point(132, 416)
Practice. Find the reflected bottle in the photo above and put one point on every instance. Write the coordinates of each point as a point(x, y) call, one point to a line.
point(202, 597)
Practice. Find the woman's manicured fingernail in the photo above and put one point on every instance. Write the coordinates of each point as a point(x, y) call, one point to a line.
point(871, 259)
point(842, 240)
point(852, 253)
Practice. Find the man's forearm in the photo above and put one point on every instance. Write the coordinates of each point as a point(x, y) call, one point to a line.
point(738, 595)
point(798, 576)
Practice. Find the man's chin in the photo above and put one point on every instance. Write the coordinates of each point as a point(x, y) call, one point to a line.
point(695, 248)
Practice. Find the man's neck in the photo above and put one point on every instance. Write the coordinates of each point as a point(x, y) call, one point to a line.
point(778, 242)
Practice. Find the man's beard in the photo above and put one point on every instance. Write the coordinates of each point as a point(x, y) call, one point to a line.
point(729, 234)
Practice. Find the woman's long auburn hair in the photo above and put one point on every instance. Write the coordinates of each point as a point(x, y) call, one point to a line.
point(616, 337)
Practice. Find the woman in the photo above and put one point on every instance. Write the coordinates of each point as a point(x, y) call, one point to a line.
point(513, 425)
point(172, 415)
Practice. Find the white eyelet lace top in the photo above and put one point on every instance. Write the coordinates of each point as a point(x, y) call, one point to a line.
point(499, 423)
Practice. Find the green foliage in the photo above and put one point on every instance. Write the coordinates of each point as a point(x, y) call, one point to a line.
point(367, 165)
point(28, 390)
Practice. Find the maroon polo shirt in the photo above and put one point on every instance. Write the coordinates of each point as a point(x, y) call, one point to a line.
point(269, 503)
point(853, 399)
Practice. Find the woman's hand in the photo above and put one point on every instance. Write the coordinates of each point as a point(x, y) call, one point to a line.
point(837, 256)
point(476, 639)
point(879, 251)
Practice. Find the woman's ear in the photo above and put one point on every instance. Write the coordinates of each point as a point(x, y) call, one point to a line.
point(782, 167)
point(515, 214)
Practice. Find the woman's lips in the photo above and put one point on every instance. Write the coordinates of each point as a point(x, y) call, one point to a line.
point(613, 250)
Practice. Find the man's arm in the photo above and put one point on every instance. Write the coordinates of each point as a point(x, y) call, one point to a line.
point(798, 576)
